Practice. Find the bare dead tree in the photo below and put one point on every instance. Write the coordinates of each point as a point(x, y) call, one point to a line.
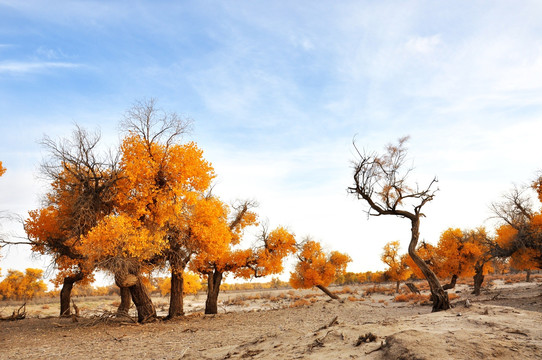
point(381, 180)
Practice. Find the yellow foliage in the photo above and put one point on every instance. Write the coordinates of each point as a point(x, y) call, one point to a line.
point(191, 284)
point(428, 254)
point(459, 251)
point(398, 268)
point(19, 286)
point(2, 169)
point(160, 206)
point(315, 267)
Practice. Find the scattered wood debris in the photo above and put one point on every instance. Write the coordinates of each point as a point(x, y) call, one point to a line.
point(369, 337)
point(17, 314)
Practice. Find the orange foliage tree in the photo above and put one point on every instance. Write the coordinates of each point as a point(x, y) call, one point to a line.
point(214, 265)
point(520, 234)
point(81, 193)
point(191, 284)
point(459, 253)
point(398, 269)
point(164, 214)
point(265, 258)
point(317, 268)
point(464, 253)
point(19, 286)
point(522, 258)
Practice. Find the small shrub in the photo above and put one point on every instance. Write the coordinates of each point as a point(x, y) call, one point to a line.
point(299, 303)
point(378, 290)
point(412, 298)
point(238, 301)
point(452, 296)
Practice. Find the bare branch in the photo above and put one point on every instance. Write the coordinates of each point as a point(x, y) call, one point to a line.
point(154, 125)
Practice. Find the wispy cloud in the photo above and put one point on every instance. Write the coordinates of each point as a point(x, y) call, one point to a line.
point(21, 67)
point(423, 45)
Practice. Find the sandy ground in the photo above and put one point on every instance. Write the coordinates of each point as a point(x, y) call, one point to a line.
point(505, 322)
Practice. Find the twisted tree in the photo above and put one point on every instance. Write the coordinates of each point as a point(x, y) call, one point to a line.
point(315, 267)
point(381, 180)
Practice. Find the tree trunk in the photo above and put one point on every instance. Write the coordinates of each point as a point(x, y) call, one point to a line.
point(327, 292)
point(66, 292)
point(214, 281)
point(528, 278)
point(176, 295)
point(451, 285)
point(142, 300)
point(397, 287)
point(438, 295)
point(478, 278)
point(413, 288)
point(125, 302)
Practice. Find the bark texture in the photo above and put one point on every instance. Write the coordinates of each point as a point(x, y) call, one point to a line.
point(213, 289)
point(478, 281)
point(452, 283)
point(146, 311)
point(125, 301)
point(327, 292)
point(66, 293)
point(478, 278)
point(176, 295)
point(438, 295)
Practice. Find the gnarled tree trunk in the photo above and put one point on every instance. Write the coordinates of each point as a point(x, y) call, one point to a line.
point(451, 285)
point(125, 302)
point(214, 281)
point(528, 277)
point(438, 295)
point(478, 278)
point(65, 293)
point(176, 295)
point(146, 311)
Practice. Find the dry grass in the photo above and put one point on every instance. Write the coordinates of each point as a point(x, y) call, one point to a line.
point(380, 289)
point(300, 303)
point(412, 298)
point(345, 290)
point(236, 301)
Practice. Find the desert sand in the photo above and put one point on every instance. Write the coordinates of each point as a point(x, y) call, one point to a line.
point(505, 322)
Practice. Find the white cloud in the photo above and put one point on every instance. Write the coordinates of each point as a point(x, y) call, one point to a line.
point(423, 45)
point(19, 67)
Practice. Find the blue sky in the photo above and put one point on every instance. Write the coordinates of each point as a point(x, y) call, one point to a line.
point(278, 90)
